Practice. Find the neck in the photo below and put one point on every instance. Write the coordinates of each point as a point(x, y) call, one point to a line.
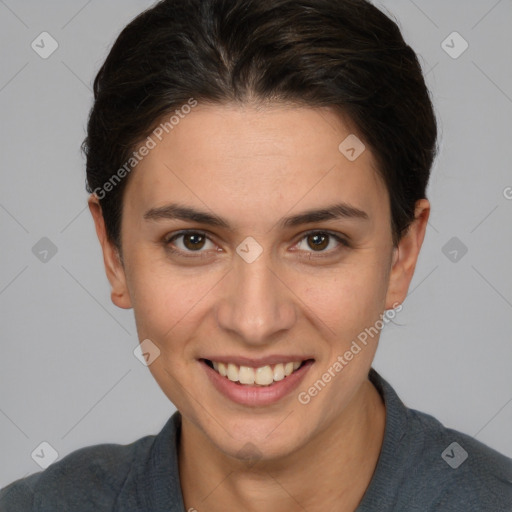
point(331, 472)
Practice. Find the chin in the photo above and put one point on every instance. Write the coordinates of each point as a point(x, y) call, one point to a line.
point(256, 440)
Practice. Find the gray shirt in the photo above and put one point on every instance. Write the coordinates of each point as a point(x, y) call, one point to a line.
point(423, 467)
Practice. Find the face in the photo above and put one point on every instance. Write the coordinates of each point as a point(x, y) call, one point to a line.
point(251, 241)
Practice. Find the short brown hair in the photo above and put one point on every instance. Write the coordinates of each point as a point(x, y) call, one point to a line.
point(346, 54)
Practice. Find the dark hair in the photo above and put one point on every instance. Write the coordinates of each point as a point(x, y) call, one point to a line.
point(344, 54)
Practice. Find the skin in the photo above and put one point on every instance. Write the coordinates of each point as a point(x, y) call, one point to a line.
point(252, 166)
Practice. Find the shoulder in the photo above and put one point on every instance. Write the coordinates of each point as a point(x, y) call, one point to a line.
point(459, 470)
point(426, 467)
point(89, 478)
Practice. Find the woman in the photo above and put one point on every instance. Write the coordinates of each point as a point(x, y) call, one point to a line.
point(258, 174)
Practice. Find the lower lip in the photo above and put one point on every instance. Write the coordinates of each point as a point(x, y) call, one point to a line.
point(256, 395)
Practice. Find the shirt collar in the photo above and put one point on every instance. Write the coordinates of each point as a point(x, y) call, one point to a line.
point(157, 482)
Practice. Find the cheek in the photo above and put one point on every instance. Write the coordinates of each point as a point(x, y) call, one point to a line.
point(347, 300)
point(167, 303)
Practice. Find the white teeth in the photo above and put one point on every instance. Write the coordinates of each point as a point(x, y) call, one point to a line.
point(246, 375)
point(222, 369)
point(279, 372)
point(262, 376)
point(233, 372)
point(288, 369)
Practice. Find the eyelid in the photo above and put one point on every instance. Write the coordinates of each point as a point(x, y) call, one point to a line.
point(169, 238)
point(335, 234)
point(167, 241)
point(338, 237)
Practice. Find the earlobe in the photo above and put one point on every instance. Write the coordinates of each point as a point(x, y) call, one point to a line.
point(406, 255)
point(113, 265)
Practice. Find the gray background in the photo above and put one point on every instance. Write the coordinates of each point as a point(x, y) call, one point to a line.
point(68, 375)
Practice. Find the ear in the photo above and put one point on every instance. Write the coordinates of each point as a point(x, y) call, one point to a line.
point(111, 258)
point(406, 255)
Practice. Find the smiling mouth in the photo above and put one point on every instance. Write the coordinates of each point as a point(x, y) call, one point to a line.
point(261, 376)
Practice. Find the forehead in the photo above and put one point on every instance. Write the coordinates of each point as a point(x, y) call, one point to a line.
point(269, 158)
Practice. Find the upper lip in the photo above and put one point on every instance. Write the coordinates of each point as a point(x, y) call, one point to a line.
point(257, 362)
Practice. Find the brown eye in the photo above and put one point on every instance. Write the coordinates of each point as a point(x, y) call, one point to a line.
point(318, 241)
point(190, 242)
point(194, 241)
point(321, 242)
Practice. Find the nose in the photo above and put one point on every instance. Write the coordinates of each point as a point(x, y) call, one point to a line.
point(257, 304)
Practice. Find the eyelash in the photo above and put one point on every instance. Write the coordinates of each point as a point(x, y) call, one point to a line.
point(204, 254)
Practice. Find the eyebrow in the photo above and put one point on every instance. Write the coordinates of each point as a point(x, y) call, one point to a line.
point(175, 211)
